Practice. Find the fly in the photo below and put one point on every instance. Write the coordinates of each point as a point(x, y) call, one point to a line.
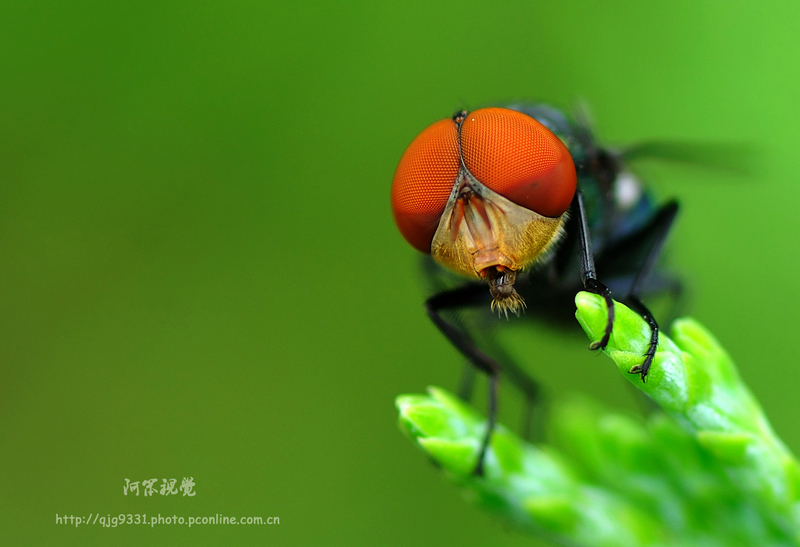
point(525, 205)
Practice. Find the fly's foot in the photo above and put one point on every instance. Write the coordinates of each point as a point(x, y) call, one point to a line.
point(600, 344)
point(644, 368)
point(593, 285)
point(641, 370)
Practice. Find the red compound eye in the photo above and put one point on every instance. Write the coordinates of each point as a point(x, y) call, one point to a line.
point(423, 182)
point(520, 159)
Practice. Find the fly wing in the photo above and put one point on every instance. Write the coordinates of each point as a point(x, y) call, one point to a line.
point(733, 158)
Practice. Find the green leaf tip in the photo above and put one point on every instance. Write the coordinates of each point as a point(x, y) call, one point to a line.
point(437, 415)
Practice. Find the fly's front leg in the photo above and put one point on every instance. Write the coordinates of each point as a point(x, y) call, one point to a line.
point(589, 274)
point(650, 353)
point(462, 341)
point(655, 233)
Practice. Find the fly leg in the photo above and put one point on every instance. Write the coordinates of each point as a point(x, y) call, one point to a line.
point(589, 274)
point(468, 295)
point(467, 384)
point(655, 233)
point(462, 341)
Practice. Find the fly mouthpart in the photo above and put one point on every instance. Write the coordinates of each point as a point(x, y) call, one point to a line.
point(505, 298)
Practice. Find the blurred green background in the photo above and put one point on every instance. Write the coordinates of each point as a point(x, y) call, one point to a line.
point(201, 276)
